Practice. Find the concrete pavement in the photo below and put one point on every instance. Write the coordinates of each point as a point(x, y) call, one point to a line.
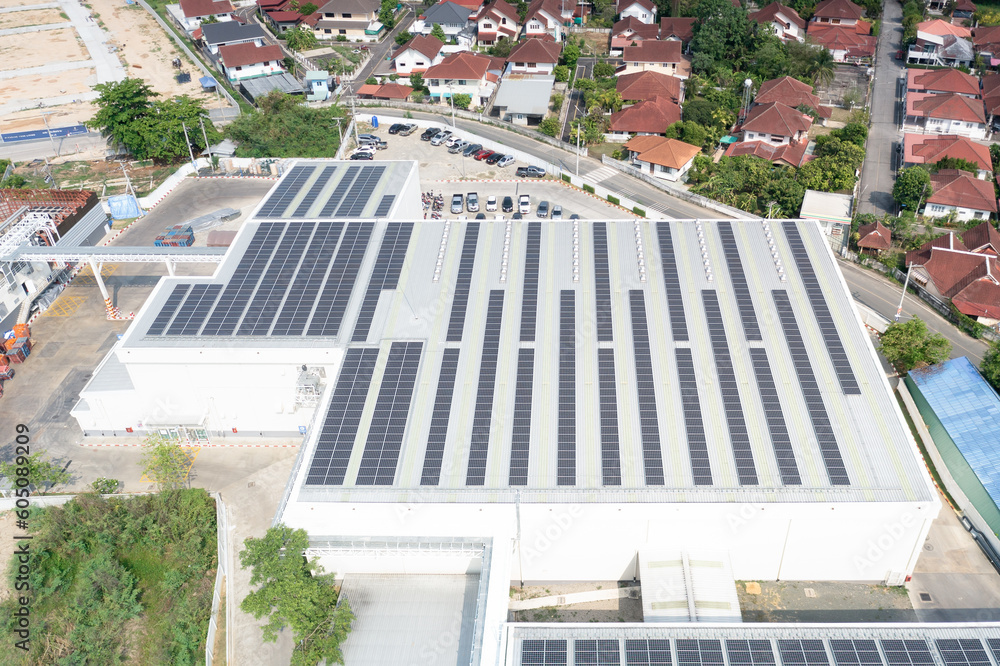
point(25, 151)
point(877, 176)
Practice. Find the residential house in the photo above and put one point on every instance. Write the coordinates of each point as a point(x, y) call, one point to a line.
point(991, 98)
point(640, 86)
point(777, 124)
point(679, 28)
point(961, 193)
point(523, 100)
point(832, 212)
point(788, 154)
point(388, 91)
point(848, 43)
point(249, 61)
point(454, 19)
point(649, 56)
point(352, 19)
point(216, 35)
point(668, 159)
point(941, 44)
point(963, 9)
point(874, 237)
point(474, 6)
point(497, 20)
point(946, 113)
point(630, 31)
point(837, 12)
point(787, 23)
point(941, 81)
point(416, 55)
point(652, 116)
point(643, 10)
point(545, 17)
point(464, 73)
point(948, 269)
point(794, 93)
point(982, 239)
point(194, 12)
point(929, 149)
point(283, 15)
point(534, 56)
point(986, 42)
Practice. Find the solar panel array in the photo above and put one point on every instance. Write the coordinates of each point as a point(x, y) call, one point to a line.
point(196, 306)
point(332, 302)
point(169, 308)
point(596, 652)
point(699, 652)
point(388, 423)
point(343, 417)
point(994, 644)
point(649, 427)
point(672, 282)
point(602, 283)
point(463, 283)
point(357, 197)
point(739, 436)
point(749, 652)
point(543, 652)
point(385, 275)
point(529, 293)
point(805, 652)
point(822, 427)
point(285, 191)
point(834, 345)
point(963, 652)
point(611, 469)
point(566, 432)
point(385, 205)
point(687, 382)
point(310, 198)
point(271, 291)
point(521, 436)
point(340, 190)
point(784, 454)
point(907, 652)
point(482, 419)
point(855, 652)
point(744, 303)
point(309, 281)
point(647, 652)
point(438, 436)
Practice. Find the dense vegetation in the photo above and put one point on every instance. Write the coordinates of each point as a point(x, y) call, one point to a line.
point(908, 345)
point(120, 580)
point(283, 127)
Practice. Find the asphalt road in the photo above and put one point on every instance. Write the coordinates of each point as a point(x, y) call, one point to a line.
point(22, 151)
point(882, 295)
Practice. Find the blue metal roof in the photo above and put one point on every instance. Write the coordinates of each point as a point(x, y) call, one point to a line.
point(969, 409)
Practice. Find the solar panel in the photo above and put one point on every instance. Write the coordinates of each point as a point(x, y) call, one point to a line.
point(529, 294)
point(566, 431)
point(611, 470)
point(385, 275)
point(337, 196)
point(169, 308)
point(739, 436)
point(596, 652)
point(192, 313)
point(543, 652)
point(309, 280)
point(780, 441)
point(699, 652)
point(439, 419)
point(332, 301)
point(388, 423)
point(752, 652)
point(483, 416)
point(602, 283)
point(909, 652)
point(285, 191)
point(687, 382)
point(807, 652)
point(360, 192)
point(652, 457)
point(385, 205)
point(463, 283)
point(521, 436)
point(671, 282)
point(310, 198)
point(343, 417)
point(994, 644)
point(647, 652)
point(834, 345)
point(822, 426)
point(855, 652)
point(271, 291)
point(744, 303)
point(963, 652)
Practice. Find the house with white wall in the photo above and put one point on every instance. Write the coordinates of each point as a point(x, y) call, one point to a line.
point(215, 35)
point(464, 73)
point(785, 21)
point(534, 56)
point(837, 12)
point(495, 21)
point(351, 19)
point(416, 55)
point(249, 61)
point(929, 149)
point(668, 159)
point(195, 11)
point(961, 193)
point(644, 10)
point(777, 124)
point(947, 113)
point(655, 56)
point(544, 17)
point(455, 20)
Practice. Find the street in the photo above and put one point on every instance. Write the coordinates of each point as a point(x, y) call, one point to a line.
point(25, 151)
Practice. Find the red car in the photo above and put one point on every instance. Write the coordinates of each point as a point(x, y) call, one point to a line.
point(483, 154)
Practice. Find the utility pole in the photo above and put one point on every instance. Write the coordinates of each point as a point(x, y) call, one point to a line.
point(354, 113)
point(906, 283)
point(201, 121)
point(188, 142)
point(451, 96)
point(577, 151)
point(49, 132)
point(340, 131)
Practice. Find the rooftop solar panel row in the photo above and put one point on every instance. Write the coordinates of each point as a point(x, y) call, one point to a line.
point(285, 191)
point(385, 275)
point(543, 652)
point(566, 432)
point(438, 436)
point(310, 198)
point(647, 652)
point(166, 313)
point(309, 280)
point(463, 283)
point(602, 283)
point(596, 652)
point(734, 264)
point(611, 470)
point(332, 301)
point(963, 652)
point(784, 454)
point(649, 426)
point(529, 294)
point(337, 196)
point(672, 282)
point(482, 420)
point(269, 294)
point(521, 435)
point(806, 652)
point(357, 197)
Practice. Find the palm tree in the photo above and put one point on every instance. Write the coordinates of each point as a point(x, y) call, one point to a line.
point(823, 67)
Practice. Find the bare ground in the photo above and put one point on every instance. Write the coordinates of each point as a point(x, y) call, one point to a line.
point(612, 610)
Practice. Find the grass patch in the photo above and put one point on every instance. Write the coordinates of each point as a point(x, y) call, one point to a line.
point(923, 450)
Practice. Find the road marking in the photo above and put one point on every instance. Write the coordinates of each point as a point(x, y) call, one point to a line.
point(601, 174)
point(65, 306)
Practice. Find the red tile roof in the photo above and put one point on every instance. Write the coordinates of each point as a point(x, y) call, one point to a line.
point(499, 9)
point(770, 13)
point(948, 106)
point(196, 8)
point(650, 51)
point(842, 9)
point(874, 236)
point(844, 38)
point(941, 28)
point(241, 55)
point(791, 154)
point(426, 45)
point(931, 148)
point(983, 238)
point(652, 116)
point(791, 92)
point(991, 93)
point(965, 6)
point(942, 80)
point(640, 86)
point(951, 187)
point(922, 254)
point(952, 271)
point(645, 4)
point(536, 51)
point(986, 36)
point(630, 25)
point(385, 91)
point(659, 150)
point(680, 27)
point(981, 298)
point(464, 65)
point(776, 119)
point(474, 5)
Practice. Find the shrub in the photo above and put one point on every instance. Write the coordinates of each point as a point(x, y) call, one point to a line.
point(613, 199)
point(566, 177)
point(638, 211)
point(105, 486)
point(549, 126)
point(588, 188)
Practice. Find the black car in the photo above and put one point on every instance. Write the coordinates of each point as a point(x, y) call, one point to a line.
point(365, 155)
point(480, 216)
point(429, 133)
point(395, 127)
point(472, 149)
point(517, 216)
point(494, 158)
point(530, 172)
point(507, 205)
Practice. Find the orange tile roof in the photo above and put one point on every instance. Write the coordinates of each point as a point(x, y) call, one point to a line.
point(931, 148)
point(536, 51)
point(650, 51)
point(640, 86)
point(791, 154)
point(843, 38)
point(874, 236)
point(385, 91)
point(770, 12)
point(426, 45)
point(948, 106)
point(951, 187)
point(942, 80)
point(777, 119)
point(464, 65)
point(241, 55)
point(653, 116)
point(659, 150)
point(941, 28)
point(791, 92)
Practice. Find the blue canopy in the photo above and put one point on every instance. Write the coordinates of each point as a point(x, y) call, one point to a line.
point(207, 82)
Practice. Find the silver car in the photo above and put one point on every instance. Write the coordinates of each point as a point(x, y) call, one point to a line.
point(440, 138)
point(458, 147)
point(456, 204)
point(557, 212)
point(506, 161)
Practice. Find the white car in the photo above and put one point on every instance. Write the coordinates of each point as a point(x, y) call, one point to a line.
point(506, 161)
point(524, 204)
point(452, 141)
point(499, 218)
point(367, 148)
point(491, 204)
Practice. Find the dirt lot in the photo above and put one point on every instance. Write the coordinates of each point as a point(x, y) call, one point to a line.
point(611, 610)
point(71, 82)
point(29, 119)
point(56, 46)
point(34, 17)
point(823, 602)
point(17, 3)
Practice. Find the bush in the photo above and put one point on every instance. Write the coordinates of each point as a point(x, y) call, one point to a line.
point(613, 199)
point(588, 188)
point(561, 72)
point(549, 126)
point(566, 177)
point(603, 70)
point(557, 102)
point(638, 211)
point(105, 486)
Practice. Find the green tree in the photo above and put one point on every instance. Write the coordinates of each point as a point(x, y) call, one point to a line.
point(417, 81)
point(308, 9)
point(165, 462)
point(41, 472)
point(856, 133)
point(119, 105)
point(387, 14)
point(438, 31)
point(522, 10)
point(284, 127)
point(462, 100)
point(909, 344)
point(501, 48)
point(956, 163)
point(990, 367)
point(561, 72)
point(913, 186)
point(688, 132)
point(295, 593)
point(570, 54)
point(549, 126)
point(300, 38)
point(403, 36)
point(371, 81)
point(823, 67)
point(14, 181)
point(845, 152)
point(723, 36)
point(602, 70)
point(161, 133)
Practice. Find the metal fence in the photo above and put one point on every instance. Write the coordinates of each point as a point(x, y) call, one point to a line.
point(221, 574)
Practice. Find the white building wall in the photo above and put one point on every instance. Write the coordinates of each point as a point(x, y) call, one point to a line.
point(413, 61)
point(640, 13)
point(939, 210)
point(253, 71)
point(214, 48)
point(946, 126)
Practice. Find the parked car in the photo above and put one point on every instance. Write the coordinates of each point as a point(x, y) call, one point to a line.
point(507, 205)
point(491, 203)
point(543, 209)
point(456, 204)
point(472, 202)
point(395, 127)
point(483, 154)
point(440, 137)
point(378, 144)
point(499, 218)
point(524, 204)
point(472, 149)
point(505, 161)
point(367, 137)
point(517, 216)
point(429, 133)
point(574, 216)
point(458, 147)
point(366, 148)
point(557, 212)
point(494, 158)
point(452, 140)
point(530, 172)
point(408, 129)
point(363, 156)
point(480, 216)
